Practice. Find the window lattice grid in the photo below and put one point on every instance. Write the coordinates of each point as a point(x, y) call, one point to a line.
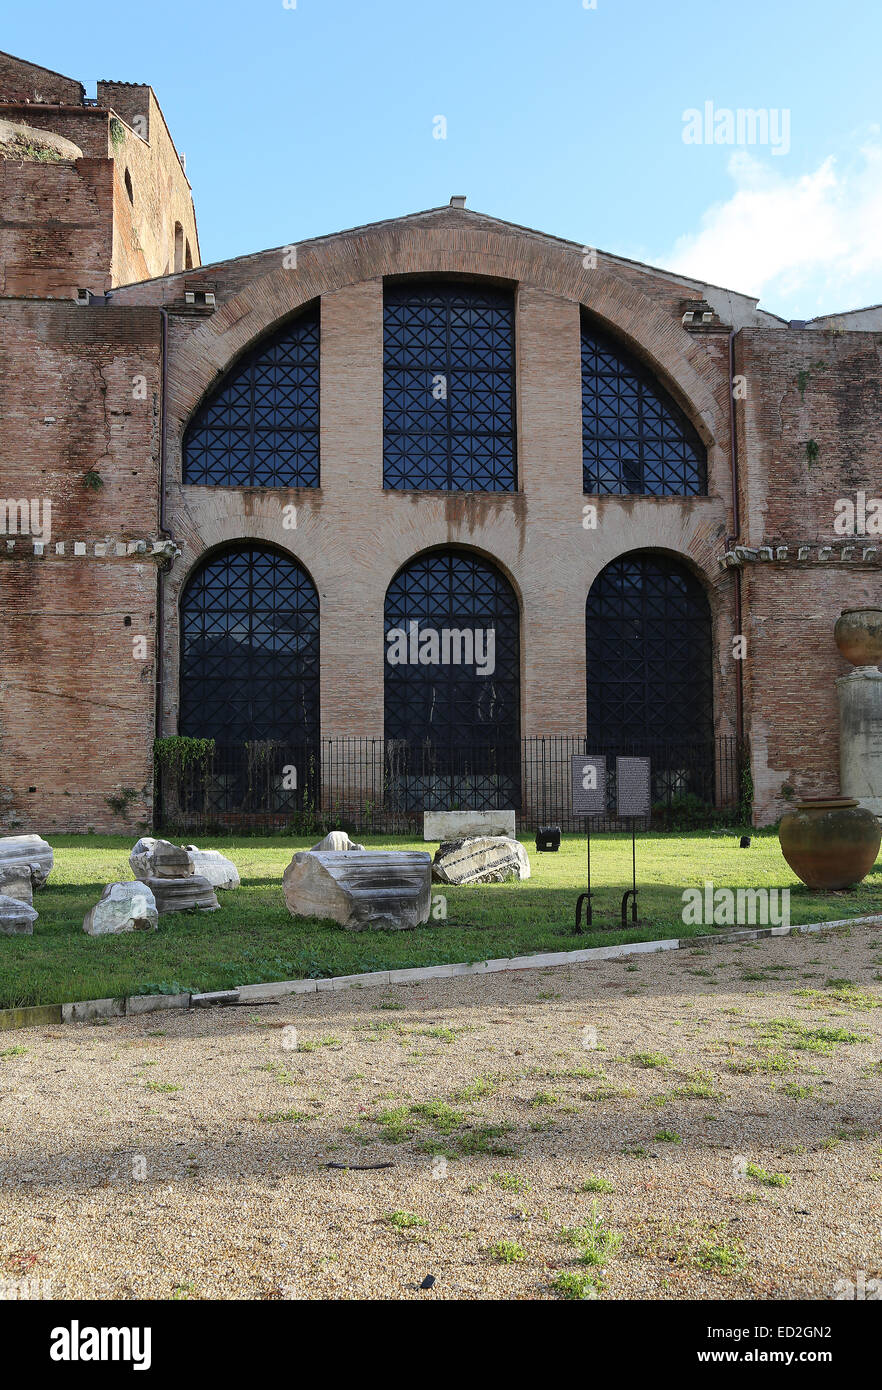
point(648, 647)
point(260, 427)
point(250, 650)
point(451, 705)
point(635, 438)
point(448, 389)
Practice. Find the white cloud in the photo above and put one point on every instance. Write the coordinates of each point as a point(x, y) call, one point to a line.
point(806, 245)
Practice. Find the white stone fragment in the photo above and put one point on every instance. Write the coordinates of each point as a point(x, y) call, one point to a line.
point(122, 907)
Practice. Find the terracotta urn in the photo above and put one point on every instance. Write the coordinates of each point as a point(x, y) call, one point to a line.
point(831, 842)
point(858, 635)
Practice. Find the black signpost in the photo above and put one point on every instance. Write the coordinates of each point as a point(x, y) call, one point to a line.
point(589, 799)
point(632, 800)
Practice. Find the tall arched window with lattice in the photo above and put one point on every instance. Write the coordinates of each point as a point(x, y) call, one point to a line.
point(452, 684)
point(648, 638)
point(448, 387)
point(259, 427)
point(249, 680)
point(635, 438)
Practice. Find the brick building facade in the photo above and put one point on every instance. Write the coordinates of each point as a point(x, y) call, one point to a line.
point(114, 340)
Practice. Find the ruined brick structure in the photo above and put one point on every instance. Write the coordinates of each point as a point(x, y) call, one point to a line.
point(112, 336)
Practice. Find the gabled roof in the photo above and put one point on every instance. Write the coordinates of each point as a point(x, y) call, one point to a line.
point(732, 306)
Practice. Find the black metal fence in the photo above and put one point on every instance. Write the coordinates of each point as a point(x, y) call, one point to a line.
point(384, 786)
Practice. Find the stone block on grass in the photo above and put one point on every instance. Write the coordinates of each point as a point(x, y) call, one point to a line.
point(15, 882)
point(159, 859)
point(464, 825)
point(480, 859)
point(339, 841)
point(16, 918)
point(211, 864)
point(183, 894)
point(28, 849)
point(122, 907)
point(380, 889)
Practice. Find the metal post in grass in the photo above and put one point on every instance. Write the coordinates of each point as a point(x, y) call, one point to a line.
point(588, 775)
point(632, 800)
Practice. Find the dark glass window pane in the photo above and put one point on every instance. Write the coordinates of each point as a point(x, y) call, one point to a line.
point(260, 426)
point(635, 438)
point(451, 703)
point(648, 640)
point(452, 734)
point(250, 650)
point(448, 388)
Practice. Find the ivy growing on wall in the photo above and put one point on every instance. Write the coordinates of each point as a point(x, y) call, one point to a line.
point(178, 753)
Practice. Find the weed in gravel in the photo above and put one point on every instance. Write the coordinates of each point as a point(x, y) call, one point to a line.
point(700, 1085)
point(608, 1092)
point(574, 1284)
point(280, 1073)
point(649, 1060)
point(767, 1060)
point(844, 992)
point(441, 1116)
point(596, 1242)
point(474, 1090)
point(753, 1170)
point(442, 1032)
point(595, 1184)
point(707, 1247)
point(403, 1220)
point(510, 1182)
point(545, 1098)
point(507, 1252)
point(799, 1037)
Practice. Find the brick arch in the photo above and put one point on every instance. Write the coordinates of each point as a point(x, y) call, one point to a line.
point(653, 684)
point(469, 719)
point(212, 676)
point(271, 293)
point(188, 568)
point(400, 561)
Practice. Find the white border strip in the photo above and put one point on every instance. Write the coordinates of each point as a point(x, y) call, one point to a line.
point(87, 1009)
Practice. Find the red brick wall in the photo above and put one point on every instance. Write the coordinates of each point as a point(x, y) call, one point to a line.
point(76, 704)
point(21, 81)
point(352, 536)
point(68, 682)
point(824, 387)
point(56, 228)
point(70, 224)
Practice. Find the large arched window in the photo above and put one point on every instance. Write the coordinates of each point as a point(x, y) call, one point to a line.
point(648, 646)
point(635, 438)
point(650, 683)
point(250, 650)
point(448, 388)
point(260, 426)
point(452, 684)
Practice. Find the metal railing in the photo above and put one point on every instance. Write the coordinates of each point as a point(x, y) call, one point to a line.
point(384, 786)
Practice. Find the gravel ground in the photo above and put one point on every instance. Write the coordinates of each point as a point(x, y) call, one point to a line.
point(703, 1123)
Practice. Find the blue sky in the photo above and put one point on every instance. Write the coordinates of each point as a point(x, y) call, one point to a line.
point(301, 121)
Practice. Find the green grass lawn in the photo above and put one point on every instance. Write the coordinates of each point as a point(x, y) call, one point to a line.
point(253, 938)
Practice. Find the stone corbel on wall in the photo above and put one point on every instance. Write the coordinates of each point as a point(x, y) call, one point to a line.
point(163, 552)
point(801, 553)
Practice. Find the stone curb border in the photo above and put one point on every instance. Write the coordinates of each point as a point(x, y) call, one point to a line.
point(86, 1009)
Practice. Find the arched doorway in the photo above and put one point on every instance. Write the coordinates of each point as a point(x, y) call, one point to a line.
point(249, 675)
point(648, 638)
point(452, 684)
